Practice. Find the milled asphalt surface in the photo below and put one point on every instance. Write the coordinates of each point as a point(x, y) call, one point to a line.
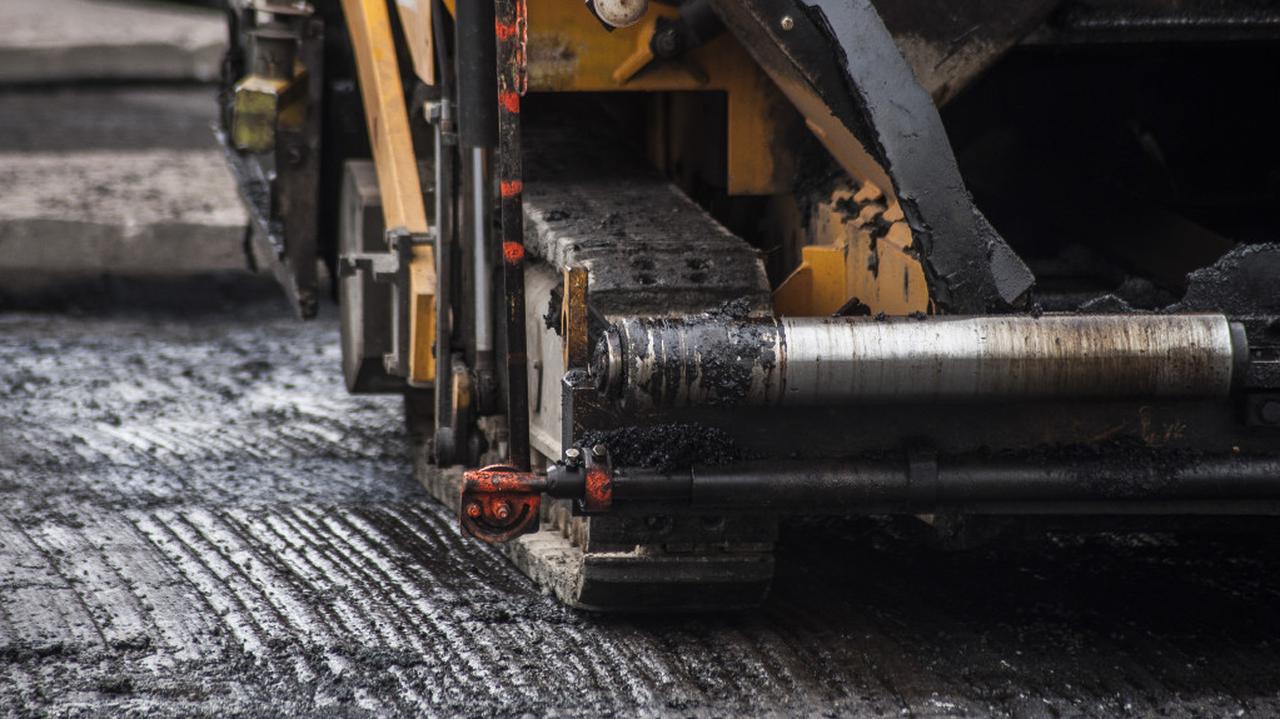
point(195, 519)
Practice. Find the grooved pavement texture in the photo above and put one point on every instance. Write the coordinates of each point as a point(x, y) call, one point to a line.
point(195, 519)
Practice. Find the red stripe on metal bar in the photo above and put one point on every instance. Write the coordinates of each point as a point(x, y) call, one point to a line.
point(512, 252)
point(505, 30)
point(510, 101)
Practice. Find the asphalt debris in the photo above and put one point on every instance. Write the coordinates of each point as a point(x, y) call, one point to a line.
point(666, 447)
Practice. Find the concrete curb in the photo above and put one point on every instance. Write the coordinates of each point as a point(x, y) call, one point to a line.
point(136, 212)
point(43, 41)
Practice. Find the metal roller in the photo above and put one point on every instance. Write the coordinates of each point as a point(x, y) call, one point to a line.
point(718, 361)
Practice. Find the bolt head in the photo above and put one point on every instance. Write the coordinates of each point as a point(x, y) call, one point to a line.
point(573, 454)
point(473, 510)
point(503, 511)
point(788, 23)
point(599, 451)
point(1270, 411)
point(666, 43)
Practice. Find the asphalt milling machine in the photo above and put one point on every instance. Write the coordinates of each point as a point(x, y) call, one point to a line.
point(652, 275)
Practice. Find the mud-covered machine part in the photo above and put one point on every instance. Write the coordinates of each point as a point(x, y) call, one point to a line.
point(682, 268)
point(835, 361)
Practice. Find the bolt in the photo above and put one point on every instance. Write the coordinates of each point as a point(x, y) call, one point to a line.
point(666, 44)
point(502, 511)
point(1270, 411)
point(788, 23)
point(572, 455)
point(599, 452)
point(295, 155)
point(473, 510)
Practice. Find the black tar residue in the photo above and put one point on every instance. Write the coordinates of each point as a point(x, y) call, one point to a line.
point(1118, 468)
point(736, 309)
point(555, 307)
point(1243, 281)
point(728, 356)
point(666, 447)
point(728, 363)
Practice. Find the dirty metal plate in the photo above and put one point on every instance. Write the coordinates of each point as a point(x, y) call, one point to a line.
point(647, 245)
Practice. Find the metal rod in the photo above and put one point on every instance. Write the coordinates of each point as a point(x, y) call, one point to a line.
point(959, 483)
point(481, 262)
point(478, 134)
point(444, 256)
point(510, 27)
point(444, 148)
point(486, 376)
point(922, 484)
point(715, 361)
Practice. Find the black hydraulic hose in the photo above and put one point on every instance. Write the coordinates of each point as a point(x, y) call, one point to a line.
point(477, 66)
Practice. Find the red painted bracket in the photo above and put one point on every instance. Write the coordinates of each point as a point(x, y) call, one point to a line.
point(500, 503)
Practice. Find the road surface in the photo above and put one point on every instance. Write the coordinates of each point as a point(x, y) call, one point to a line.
point(196, 519)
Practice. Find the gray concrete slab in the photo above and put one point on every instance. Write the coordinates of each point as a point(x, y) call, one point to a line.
point(107, 211)
point(44, 41)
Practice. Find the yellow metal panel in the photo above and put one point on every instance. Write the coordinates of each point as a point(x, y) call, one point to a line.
point(816, 288)
point(402, 206)
point(569, 51)
point(422, 315)
point(851, 258)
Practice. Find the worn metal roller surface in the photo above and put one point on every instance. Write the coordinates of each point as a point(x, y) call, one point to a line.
point(716, 361)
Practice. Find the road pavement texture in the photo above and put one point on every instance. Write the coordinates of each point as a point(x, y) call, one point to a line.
point(196, 519)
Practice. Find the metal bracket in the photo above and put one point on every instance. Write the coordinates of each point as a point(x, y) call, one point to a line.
point(383, 266)
point(597, 492)
point(441, 113)
point(391, 267)
point(500, 503)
